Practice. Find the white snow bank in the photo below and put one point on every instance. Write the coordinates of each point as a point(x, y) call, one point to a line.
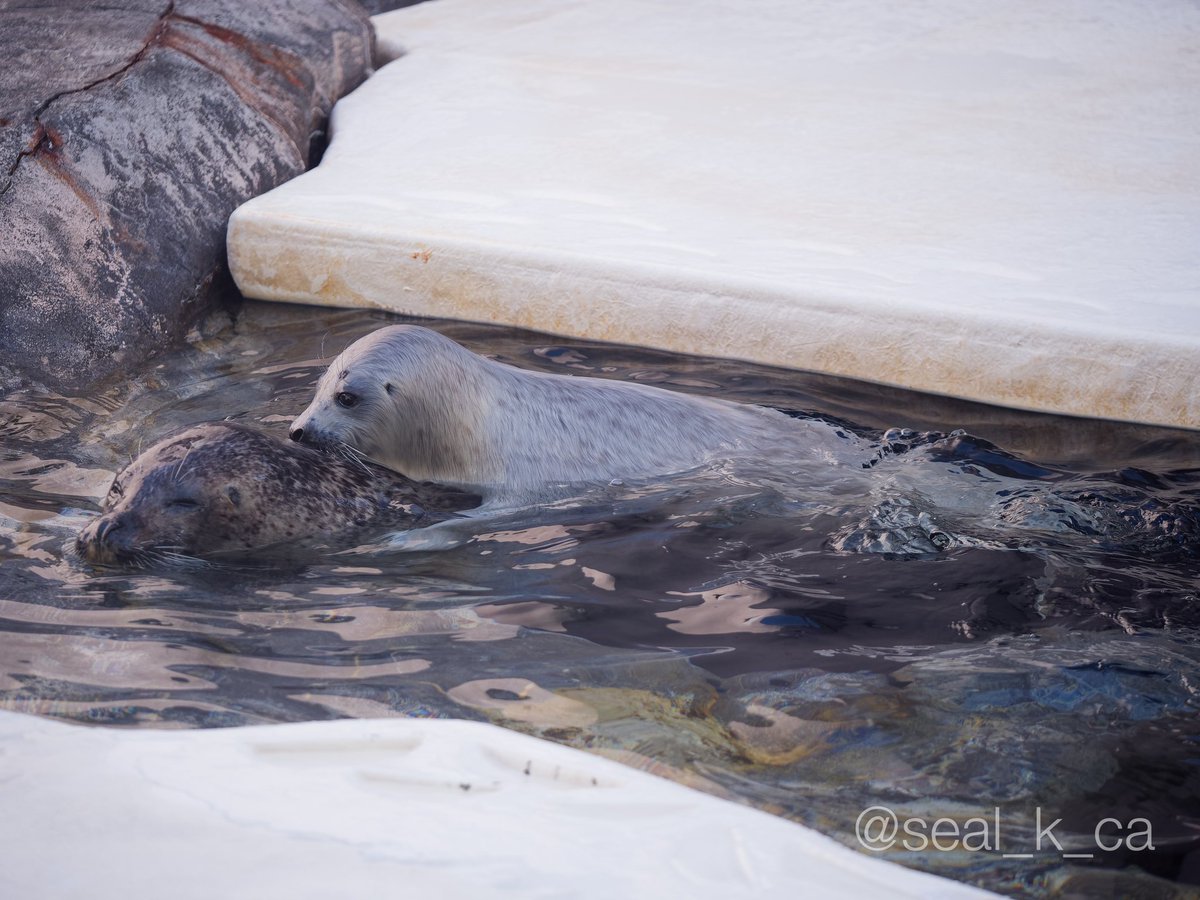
point(995, 201)
point(387, 808)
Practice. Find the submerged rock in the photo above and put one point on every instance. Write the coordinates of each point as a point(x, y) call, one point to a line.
point(128, 134)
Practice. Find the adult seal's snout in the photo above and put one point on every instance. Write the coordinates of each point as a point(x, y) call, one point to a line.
point(105, 538)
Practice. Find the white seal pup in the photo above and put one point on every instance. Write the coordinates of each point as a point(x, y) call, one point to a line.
point(415, 401)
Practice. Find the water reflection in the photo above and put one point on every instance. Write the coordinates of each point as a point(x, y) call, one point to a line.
point(1003, 618)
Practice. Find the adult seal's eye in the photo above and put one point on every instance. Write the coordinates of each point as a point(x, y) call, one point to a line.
point(347, 400)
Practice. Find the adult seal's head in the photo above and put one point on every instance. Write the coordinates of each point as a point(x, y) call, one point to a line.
point(417, 402)
point(224, 490)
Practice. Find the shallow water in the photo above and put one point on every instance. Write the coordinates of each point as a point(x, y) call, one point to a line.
point(972, 626)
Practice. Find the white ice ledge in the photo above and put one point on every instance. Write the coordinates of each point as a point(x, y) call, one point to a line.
point(388, 808)
point(994, 201)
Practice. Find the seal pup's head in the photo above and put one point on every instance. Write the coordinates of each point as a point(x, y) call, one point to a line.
point(409, 399)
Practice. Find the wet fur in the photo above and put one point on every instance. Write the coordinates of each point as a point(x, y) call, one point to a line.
point(225, 489)
point(433, 410)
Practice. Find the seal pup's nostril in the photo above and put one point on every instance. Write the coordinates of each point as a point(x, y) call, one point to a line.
point(297, 435)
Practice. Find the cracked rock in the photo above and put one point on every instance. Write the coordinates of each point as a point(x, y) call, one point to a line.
point(129, 131)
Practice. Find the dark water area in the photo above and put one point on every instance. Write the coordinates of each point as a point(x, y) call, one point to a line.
point(978, 615)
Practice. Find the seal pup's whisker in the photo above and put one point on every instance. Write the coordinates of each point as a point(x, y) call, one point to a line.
point(353, 456)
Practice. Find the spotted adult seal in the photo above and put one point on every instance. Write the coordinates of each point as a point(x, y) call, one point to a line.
point(221, 489)
point(417, 402)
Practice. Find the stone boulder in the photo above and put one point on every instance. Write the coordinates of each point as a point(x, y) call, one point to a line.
point(382, 6)
point(129, 131)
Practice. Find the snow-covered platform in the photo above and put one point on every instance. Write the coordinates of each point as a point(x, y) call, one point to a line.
point(388, 808)
point(995, 201)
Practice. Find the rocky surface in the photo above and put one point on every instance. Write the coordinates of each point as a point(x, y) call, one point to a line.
point(379, 6)
point(129, 131)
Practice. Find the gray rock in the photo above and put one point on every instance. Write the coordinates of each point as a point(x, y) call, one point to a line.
point(380, 6)
point(129, 131)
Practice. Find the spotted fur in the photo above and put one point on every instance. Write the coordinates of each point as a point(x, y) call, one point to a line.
point(221, 489)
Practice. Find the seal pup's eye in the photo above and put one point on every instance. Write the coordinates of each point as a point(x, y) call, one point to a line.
point(346, 400)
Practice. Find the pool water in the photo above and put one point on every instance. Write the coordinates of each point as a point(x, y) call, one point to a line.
point(966, 613)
